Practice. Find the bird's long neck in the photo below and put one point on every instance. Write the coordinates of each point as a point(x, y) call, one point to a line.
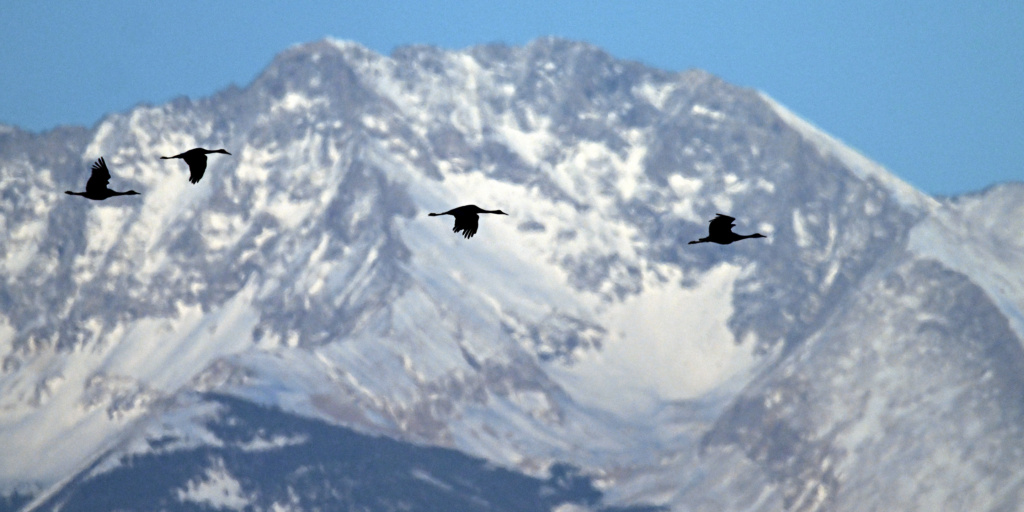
point(70, 193)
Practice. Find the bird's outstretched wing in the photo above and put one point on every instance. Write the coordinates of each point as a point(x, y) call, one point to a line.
point(468, 224)
point(100, 177)
point(720, 225)
point(196, 165)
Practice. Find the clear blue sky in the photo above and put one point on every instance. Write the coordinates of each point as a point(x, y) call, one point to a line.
point(933, 90)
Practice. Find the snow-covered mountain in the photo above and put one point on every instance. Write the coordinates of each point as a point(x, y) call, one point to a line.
point(294, 333)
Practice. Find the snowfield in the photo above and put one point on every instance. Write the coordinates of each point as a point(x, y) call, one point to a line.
point(866, 355)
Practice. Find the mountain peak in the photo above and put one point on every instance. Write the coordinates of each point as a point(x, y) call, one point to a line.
point(854, 160)
point(302, 273)
point(562, 46)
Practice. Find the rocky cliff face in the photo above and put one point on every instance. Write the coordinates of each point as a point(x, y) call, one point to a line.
point(865, 356)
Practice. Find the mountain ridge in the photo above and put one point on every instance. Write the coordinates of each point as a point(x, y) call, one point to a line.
point(303, 274)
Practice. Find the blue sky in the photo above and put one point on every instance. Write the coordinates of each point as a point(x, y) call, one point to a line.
point(933, 90)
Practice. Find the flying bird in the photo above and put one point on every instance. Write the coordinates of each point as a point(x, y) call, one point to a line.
point(196, 160)
point(466, 218)
point(96, 187)
point(720, 231)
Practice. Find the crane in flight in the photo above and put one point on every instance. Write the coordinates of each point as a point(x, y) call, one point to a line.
point(466, 218)
point(720, 231)
point(96, 188)
point(196, 160)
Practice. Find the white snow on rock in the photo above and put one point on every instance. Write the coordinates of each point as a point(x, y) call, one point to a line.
point(645, 364)
point(218, 488)
point(303, 273)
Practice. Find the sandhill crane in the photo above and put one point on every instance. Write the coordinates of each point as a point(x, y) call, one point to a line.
point(96, 187)
point(196, 160)
point(466, 218)
point(720, 231)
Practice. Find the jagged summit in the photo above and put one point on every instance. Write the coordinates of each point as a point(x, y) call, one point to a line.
point(806, 371)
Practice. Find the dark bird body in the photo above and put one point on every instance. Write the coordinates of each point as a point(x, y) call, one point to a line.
point(196, 160)
point(96, 188)
point(720, 231)
point(466, 218)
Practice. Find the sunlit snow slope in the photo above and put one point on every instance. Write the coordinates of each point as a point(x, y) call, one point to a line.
point(866, 355)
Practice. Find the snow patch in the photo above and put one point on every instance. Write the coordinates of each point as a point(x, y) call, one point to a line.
point(217, 488)
point(531, 146)
point(295, 102)
point(22, 246)
point(98, 145)
point(985, 260)
point(104, 228)
point(261, 444)
point(647, 360)
point(221, 230)
point(684, 186)
point(165, 353)
point(96, 392)
point(424, 476)
point(656, 95)
point(701, 110)
point(345, 45)
point(7, 332)
point(803, 237)
point(631, 168)
point(686, 190)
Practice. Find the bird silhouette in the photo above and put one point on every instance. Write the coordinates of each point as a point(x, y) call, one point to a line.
point(720, 231)
point(96, 187)
point(466, 218)
point(196, 160)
